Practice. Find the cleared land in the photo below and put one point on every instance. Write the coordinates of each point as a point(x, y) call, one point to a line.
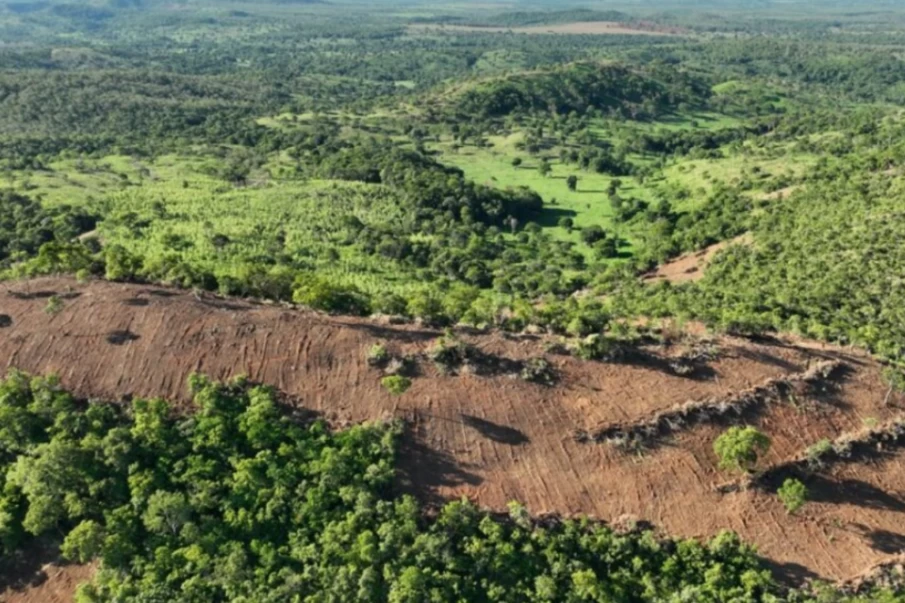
point(691, 266)
point(492, 437)
point(580, 28)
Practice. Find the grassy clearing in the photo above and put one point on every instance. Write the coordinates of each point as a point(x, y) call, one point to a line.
point(588, 205)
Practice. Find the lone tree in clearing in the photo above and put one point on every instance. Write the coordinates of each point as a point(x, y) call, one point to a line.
point(793, 494)
point(740, 447)
point(572, 182)
point(544, 168)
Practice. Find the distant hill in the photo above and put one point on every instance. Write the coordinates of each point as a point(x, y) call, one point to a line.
point(579, 87)
point(530, 18)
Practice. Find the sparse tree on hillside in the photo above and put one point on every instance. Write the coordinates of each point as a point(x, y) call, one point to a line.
point(740, 448)
point(572, 182)
point(544, 168)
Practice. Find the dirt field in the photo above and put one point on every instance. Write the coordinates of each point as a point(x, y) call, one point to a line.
point(496, 438)
point(690, 267)
point(583, 28)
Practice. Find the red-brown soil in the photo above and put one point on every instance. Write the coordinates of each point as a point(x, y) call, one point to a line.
point(691, 266)
point(36, 575)
point(497, 438)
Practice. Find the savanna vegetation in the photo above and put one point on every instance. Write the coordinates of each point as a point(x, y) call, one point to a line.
point(352, 160)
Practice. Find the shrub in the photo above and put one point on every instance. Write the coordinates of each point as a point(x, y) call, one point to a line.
point(448, 353)
point(396, 384)
point(538, 370)
point(592, 234)
point(740, 448)
point(320, 294)
point(817, 451)
point(793, 495)
point(598, 347)
point(54, 305)
point(378, 355)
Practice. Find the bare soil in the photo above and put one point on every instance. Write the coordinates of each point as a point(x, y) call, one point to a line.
point(691, 266)
point(494, 437)
point(37, 575)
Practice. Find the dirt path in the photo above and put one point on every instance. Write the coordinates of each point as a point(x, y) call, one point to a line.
point(494, 439)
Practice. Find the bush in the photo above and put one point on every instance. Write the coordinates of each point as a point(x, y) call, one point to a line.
point(320, 294)
point(598, 347)
point(740, 448)
point(54, 305)
point(448, 353)
point(793, 495)
point(817, 451)
point(378, 355)
point(592, 234)
point(538, 370)
point(396, 384)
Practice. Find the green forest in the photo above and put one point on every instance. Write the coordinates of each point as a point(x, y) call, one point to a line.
point(432, 163)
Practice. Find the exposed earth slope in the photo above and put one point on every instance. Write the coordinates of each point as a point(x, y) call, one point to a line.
point(487, 434)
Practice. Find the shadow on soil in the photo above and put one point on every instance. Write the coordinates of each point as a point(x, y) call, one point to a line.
point(887, 542)
point(423, 470)
point(6, 321)
point(498, 433)
point(852, 492)
point(24, 568)
point(121, 337)
point(792, 575)
point(26, 295)
point(391, 334)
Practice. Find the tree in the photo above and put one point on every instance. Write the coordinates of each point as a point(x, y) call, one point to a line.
point(167, 512)
point(740, 447)
point(793, 495)
point(84, 542)
point(592, 234)
point(544, 168)
point(516, 161)
point(396, 384)
point(567, 223)
point(572, 182)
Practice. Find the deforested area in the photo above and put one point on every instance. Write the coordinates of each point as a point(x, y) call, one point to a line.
point(407, 301)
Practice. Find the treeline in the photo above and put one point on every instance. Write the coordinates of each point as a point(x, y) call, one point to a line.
point(238, 500)
point(529, 18)
point(25, 226)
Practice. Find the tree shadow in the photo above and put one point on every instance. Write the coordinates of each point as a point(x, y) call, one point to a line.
point(767, 358)
point(24, 568)
point(792, 575)
point(122, 337)
point(502, 434)
point(423, 469)
point(694, 370)
point(6, 321)
point(161, 293)
point(550, 216)
point(849, 491)
point(27, 295)
point(138, 302)
point(887, 542)
point(390, 333)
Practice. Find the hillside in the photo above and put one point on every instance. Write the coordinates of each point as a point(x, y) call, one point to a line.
point(491, 437)
point(608, 87)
